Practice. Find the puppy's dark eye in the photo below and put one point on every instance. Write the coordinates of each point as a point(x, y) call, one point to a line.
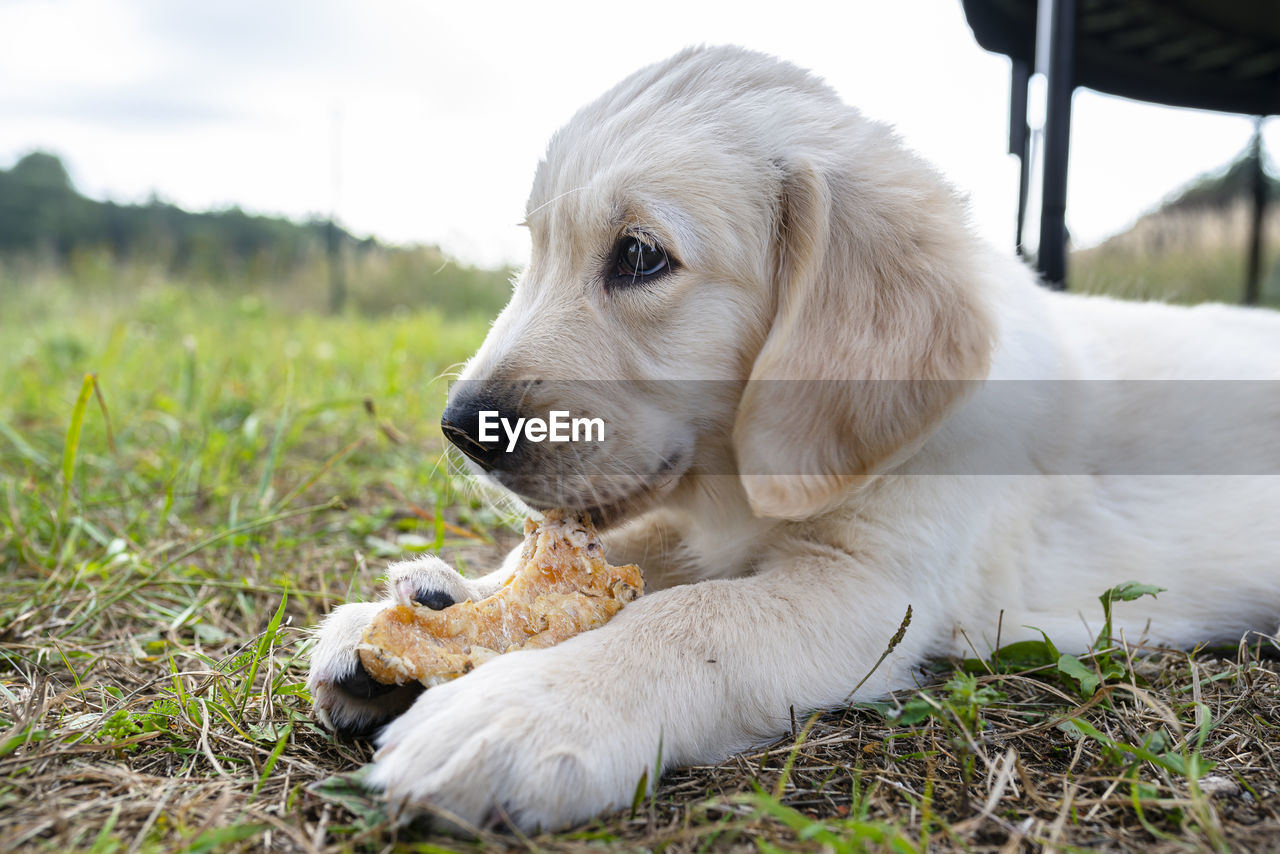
point(637, 260)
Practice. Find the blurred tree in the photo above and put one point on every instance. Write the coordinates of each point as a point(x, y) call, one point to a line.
point(44, 219)
point(42, 213)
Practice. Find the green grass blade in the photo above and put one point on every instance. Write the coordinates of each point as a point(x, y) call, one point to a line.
point(264, 647)
point(103, 842)
point(273, 758)
point(73, 443)
point(106, 416)
point(218, 838)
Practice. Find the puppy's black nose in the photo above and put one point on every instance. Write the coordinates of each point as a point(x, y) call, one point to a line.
point(473, 423)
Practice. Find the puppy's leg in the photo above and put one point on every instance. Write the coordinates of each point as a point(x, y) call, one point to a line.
point(552, 736)
point(346, 698)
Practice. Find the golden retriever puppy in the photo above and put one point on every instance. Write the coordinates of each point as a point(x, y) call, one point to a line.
point(823, 400)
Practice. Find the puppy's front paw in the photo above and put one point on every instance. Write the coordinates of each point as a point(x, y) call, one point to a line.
point(524, 740)
point(346, 698)
point(431, 582)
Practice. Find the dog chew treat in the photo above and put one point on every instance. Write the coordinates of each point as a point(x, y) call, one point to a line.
point(561, 588)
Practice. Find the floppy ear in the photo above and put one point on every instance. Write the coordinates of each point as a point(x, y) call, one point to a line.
point(878, 324)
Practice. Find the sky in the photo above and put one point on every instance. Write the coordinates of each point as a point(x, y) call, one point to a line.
point(423, 121)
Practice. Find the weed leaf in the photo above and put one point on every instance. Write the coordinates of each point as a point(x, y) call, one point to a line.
point(1073, 667)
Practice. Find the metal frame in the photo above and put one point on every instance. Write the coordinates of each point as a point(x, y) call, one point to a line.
point(1253, 275)
point(1054, 55)
point(1051, 259)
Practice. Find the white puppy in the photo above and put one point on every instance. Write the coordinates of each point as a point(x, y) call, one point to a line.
point(826, 400)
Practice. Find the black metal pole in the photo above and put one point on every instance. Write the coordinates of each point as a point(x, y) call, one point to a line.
point(1018, 134)
point(1061, 84)
point(1253, 278)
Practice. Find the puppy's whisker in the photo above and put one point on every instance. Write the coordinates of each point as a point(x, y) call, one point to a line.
point(441, 460)
point(524, 396)
point(552, 200)
point(449, 372)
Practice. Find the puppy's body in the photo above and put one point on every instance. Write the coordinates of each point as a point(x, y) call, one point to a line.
point(1041, 547)
point(870, 409)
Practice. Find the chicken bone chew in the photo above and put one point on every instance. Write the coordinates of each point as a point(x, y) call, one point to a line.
point(561, 588)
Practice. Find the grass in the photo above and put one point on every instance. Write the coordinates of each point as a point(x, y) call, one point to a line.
point(1182, 256)
point(188, 482)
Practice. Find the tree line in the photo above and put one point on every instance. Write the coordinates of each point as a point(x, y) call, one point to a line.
point(45, 222)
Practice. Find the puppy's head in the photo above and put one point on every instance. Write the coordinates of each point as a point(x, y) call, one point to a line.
point(726, 262)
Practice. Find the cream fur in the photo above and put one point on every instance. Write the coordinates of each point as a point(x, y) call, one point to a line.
point(813, 246)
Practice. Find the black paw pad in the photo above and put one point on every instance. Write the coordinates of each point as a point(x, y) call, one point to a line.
point(436, 600)
point(361, 685)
